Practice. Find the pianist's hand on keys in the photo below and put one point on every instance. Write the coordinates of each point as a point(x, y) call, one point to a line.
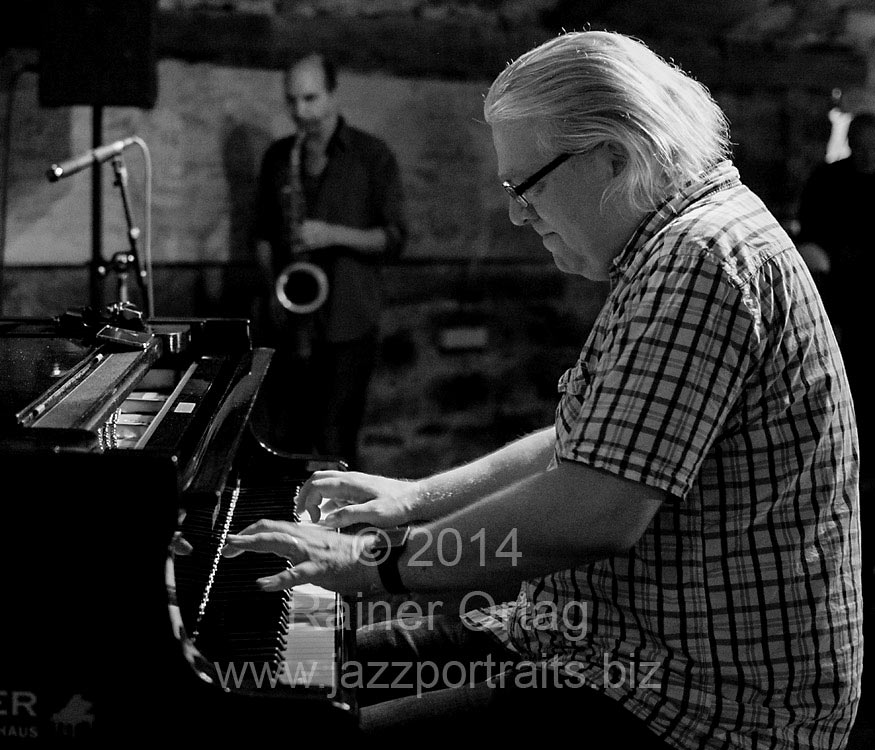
point(346, 498)
point(319, 555)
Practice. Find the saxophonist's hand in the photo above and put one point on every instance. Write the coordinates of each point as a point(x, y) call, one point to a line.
point(315, 234)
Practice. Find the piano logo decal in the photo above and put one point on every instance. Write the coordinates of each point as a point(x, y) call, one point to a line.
point(20, 707)
point(71, 717)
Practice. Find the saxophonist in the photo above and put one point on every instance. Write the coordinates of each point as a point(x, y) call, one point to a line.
point(330, 198)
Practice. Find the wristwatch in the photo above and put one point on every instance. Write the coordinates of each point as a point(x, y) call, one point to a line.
point(385, 552)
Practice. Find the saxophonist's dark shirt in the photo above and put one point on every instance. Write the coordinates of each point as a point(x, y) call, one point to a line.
point(361, 188)
point(835, 212)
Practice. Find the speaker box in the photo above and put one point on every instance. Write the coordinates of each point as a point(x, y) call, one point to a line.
point(98, 53)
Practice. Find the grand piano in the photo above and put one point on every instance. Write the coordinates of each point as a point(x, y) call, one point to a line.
point(129, 449)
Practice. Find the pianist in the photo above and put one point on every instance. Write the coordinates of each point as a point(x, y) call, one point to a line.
point(684, 541)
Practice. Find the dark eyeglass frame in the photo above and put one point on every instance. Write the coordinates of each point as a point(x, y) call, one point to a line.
point(516, 191)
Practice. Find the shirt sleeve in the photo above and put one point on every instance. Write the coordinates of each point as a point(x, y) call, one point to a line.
point(388, 194)
point(669, 372)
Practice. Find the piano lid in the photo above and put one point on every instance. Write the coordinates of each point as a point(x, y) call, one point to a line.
point(53, 380)
point(35, 360)
point(62, 379)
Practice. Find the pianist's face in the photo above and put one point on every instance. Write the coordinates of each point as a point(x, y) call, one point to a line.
point(581, 228)
point(312, 106)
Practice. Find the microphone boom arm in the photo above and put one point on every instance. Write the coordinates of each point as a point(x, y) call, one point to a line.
point(88, 159)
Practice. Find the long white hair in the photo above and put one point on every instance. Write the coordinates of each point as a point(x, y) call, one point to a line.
point(584, 88)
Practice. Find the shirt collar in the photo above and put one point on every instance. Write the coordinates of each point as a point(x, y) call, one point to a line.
point(340, 137)
point(719, 177)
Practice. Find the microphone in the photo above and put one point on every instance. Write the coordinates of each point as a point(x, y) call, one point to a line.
point(83, 161)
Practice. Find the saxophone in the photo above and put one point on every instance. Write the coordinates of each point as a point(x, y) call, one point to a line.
point(301, 287)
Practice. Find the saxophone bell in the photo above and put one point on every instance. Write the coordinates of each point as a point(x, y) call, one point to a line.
point(302, 287)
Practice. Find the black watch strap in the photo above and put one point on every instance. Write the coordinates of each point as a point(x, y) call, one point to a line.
point(388, 570)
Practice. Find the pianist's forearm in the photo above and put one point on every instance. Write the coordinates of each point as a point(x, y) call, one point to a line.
point(459, 487)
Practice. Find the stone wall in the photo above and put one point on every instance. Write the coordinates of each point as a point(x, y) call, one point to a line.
point(413, 71)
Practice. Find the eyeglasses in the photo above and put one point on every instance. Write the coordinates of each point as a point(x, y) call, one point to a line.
point(516, 191)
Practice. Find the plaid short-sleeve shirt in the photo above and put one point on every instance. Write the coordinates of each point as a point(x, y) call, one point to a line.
point(712, 373)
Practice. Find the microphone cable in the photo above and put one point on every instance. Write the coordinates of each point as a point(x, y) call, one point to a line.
point(147, 225)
